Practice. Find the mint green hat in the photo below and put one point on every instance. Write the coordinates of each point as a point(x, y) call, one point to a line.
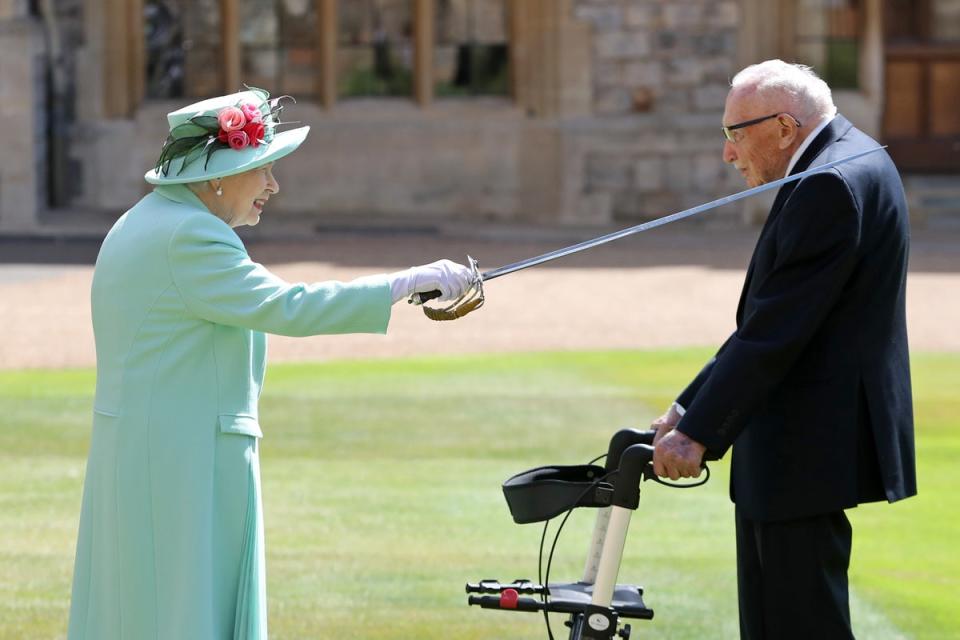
point(223, 136)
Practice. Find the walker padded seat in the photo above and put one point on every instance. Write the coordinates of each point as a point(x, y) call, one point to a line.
point(543, 493)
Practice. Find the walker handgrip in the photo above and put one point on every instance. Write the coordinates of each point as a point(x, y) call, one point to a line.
point(420, 298)
point(495, 586)
point(624, 439)
point(633, 461)
point(493, 602)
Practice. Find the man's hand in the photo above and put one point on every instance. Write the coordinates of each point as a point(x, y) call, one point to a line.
point(665, 423)
point(678, 456)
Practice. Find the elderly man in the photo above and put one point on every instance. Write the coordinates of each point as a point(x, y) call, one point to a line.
point(813, 387)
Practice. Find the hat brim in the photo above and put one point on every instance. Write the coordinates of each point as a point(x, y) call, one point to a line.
point(228, 162)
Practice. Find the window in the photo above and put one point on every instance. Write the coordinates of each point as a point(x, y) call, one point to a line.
point(183, 48)
point(375, 48)
point(946, 21)
point(327, 49)
point(923, 20)
point(278, 45)
point(828, 39)
point(472, 56)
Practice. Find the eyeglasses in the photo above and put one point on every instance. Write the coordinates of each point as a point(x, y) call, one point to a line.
point(728, 131)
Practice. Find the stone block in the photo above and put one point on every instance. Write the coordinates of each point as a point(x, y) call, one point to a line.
point(642, 74)
point(602, 17)
point(673, 101)
point(679, 174)
point(719, 70)
point(613, 101)
point(682, 15)
point(608, 172)
point(710, 97)
point(642, 14)
point(648, 174)
point(594, 208)
point(697, 138)
point(723, 15)
point(715, 44)
point(668, 43)
point(634, 206)
point(682, 72)
point(622, 44)
point(607, 74)
point(709, 172)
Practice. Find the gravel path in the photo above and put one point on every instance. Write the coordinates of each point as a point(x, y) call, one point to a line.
point(660, 289)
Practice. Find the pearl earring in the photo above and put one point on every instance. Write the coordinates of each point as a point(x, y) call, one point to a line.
point(219, 189)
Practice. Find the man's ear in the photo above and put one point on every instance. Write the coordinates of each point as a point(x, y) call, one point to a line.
point(788, 132)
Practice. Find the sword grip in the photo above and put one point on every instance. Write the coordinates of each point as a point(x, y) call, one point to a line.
point(420, 298)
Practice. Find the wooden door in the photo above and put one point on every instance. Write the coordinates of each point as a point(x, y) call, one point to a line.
point(921, 122)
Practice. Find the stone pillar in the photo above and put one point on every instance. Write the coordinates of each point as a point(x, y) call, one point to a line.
point(551, 59)
point(10, 9)
point(23, 123)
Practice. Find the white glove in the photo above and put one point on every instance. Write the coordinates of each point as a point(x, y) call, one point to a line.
point(446, 276)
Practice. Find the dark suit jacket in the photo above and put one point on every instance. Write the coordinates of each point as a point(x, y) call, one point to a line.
point(813, 387)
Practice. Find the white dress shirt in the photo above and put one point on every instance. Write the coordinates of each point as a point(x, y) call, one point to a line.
point(806, 143)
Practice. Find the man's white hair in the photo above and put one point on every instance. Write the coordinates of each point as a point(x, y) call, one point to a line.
point(804, 91)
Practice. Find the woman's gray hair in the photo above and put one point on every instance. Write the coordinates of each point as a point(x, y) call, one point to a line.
point(804, 91)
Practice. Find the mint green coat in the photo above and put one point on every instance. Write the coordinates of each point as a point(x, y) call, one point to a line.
point(171, 530)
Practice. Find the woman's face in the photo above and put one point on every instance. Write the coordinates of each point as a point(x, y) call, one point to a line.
point(245, 195)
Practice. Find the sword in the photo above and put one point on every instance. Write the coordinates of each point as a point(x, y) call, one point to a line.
point(652, 224)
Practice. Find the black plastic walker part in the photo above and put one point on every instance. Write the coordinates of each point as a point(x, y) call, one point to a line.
point(633, 462)
point(492, 585)
point(624, 439)
point(572, 598)
point(544, 493)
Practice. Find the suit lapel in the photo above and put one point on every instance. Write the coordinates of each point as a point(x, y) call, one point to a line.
point(830, 134)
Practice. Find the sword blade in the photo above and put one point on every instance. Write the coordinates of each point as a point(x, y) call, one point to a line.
point(659, 222)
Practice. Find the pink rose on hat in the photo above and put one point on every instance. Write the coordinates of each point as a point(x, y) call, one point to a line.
point(251, 112)
point(231, 119)
point(238, 140)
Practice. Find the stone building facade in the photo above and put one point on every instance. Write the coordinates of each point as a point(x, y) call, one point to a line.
point(536, 111)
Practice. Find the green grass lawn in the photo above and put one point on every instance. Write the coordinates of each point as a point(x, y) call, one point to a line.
point(382, 493)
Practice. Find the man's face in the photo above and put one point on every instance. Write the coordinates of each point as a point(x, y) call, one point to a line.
point(761, 152)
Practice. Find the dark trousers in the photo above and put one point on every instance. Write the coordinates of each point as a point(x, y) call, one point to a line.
point(792, 578)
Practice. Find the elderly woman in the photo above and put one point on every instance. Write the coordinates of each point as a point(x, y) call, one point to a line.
point(171, 530)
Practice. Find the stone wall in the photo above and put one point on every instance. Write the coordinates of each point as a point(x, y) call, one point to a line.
point(23, 123)
point(661, 74)
point(643, 143)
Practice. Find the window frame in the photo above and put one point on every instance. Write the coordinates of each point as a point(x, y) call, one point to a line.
point(124, 60)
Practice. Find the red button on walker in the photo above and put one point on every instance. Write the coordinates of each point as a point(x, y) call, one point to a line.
point(508, 599)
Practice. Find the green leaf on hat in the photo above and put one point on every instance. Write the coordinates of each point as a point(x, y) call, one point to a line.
point(189, 130)
point(174, 149)
point(213, 147)
point(207, 122)
point(195, 152)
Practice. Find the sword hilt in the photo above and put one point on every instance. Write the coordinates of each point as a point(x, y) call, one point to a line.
point(426, 296)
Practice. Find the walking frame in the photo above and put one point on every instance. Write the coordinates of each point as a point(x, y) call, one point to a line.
point(596, 604)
